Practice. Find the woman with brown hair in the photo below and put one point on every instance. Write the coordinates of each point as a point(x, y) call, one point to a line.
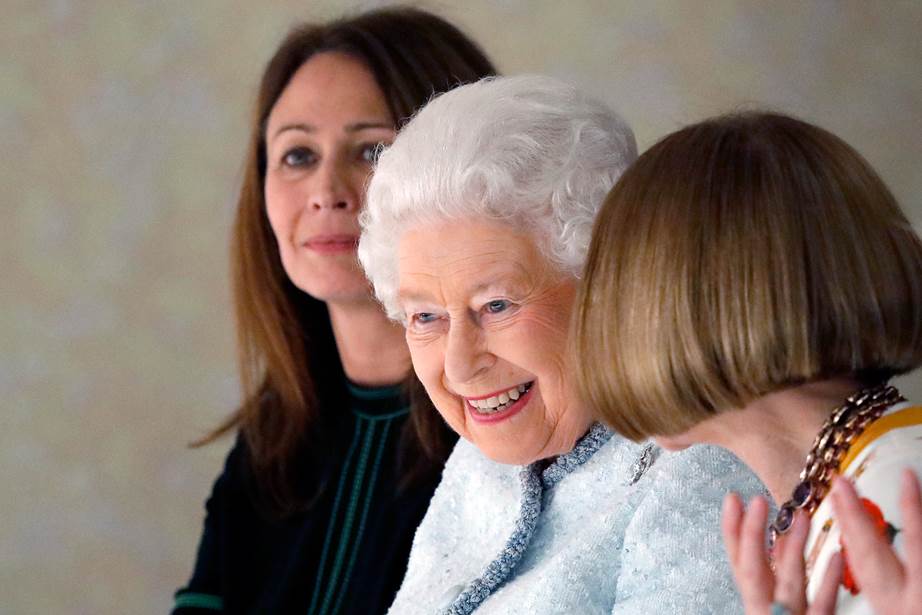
point(339, 449)
point(752, 283)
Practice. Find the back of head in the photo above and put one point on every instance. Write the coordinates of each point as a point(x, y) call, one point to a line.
point(529, 151)
point(740, 256)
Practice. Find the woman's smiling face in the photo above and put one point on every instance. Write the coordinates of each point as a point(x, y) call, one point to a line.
point(321, 137)
point(487, 323)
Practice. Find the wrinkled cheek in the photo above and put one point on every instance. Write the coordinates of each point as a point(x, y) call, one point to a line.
point(429, 375)
point(553, 419)
point(421, 366)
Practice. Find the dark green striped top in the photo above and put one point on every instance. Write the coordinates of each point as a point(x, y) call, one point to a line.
point(346, 555)
point(358, 477)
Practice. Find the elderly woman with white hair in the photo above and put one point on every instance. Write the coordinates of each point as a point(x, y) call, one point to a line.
point(476, 227)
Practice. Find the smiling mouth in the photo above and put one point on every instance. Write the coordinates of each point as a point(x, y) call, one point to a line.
point(501, 402)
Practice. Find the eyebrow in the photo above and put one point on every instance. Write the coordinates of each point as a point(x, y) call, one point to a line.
point(354, 127)
point(491, 285)
point(409, 295)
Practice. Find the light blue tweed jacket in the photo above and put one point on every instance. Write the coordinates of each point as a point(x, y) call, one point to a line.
point(613, 527)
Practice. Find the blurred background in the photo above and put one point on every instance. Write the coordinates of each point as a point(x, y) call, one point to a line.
point(123, 126)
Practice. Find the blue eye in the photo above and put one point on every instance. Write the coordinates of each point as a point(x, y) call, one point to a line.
point(298, 157)
point(424, 317)
point(496, 306)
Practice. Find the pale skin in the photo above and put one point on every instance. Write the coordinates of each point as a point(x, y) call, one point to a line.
point(773, 435)
point(486, 312)
point(321, 139)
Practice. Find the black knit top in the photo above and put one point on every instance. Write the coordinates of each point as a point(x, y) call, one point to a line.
point(346, 554)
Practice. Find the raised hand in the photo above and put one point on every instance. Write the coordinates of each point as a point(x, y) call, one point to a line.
point(783, 591)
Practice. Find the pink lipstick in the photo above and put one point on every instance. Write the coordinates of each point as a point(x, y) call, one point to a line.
point(503, 411)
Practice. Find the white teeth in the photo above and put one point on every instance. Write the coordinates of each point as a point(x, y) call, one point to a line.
point(499, 402)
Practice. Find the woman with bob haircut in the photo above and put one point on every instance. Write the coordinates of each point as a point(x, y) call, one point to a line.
point(476, 226)
point(338, 449)
point(766, 286)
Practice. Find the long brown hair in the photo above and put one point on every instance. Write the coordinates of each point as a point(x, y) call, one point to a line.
point(285, 341)
point(740, 256)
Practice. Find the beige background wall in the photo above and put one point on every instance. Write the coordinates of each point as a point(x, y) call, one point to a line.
point(122, 129)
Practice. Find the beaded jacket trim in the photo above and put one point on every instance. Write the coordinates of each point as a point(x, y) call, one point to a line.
point(535, 481)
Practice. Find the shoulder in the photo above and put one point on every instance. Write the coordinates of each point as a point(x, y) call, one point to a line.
point(232, 491)
point(699, 476)
point(673, 558)
point(875, 472)
point(896, 433)
point(700, 460)
point(236, 466)
point(685, 489)
point(888, 445)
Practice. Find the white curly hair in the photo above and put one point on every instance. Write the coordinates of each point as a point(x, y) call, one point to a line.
point(528, 151)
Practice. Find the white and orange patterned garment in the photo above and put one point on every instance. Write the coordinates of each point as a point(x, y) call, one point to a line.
point(874, 464)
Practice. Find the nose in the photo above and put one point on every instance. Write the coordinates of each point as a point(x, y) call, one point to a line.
point(466, 355)
point(333, 188)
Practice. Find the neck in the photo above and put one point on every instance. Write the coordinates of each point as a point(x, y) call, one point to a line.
point(371, 347)
point(773, 434)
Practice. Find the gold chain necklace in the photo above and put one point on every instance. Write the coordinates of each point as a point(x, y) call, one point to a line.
point(846, 423)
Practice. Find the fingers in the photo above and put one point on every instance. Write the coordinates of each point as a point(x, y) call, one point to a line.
point(789, 565)
point(824, 603)
point(875, 566)
point(730, 520)
point(911, 508)
point(753, 575)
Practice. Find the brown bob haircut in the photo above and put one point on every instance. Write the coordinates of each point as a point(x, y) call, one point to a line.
point(740, 256)
point(292, 385)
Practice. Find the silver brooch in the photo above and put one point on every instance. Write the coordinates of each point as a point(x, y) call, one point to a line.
point(643, 463)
